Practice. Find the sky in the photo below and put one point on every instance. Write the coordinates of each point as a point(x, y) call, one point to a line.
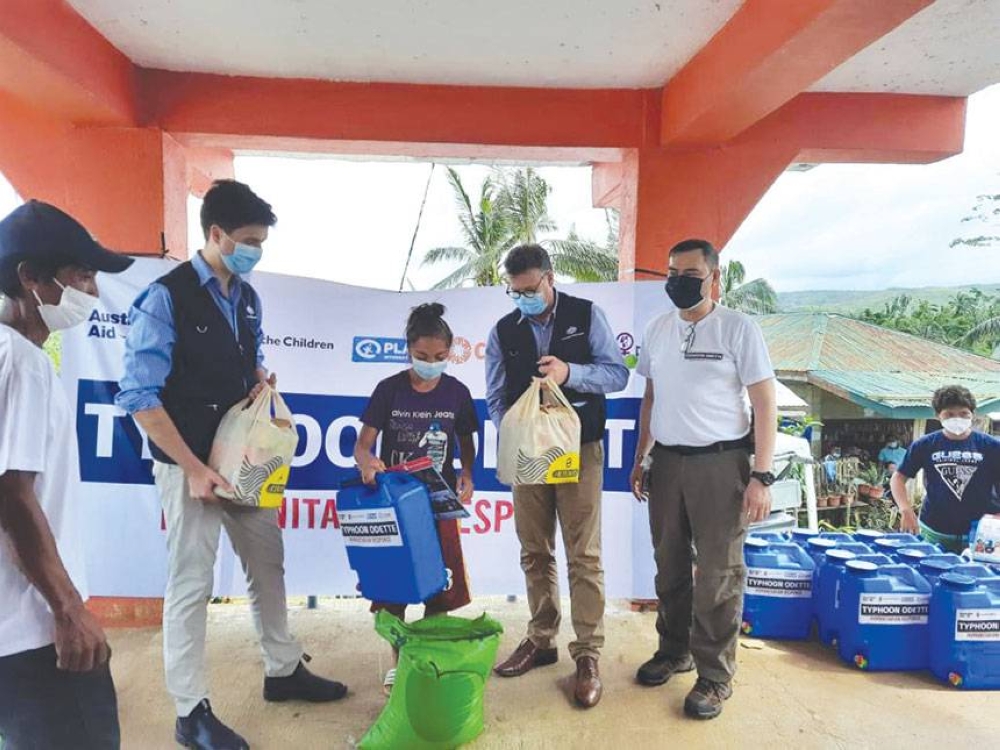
point(838, 226)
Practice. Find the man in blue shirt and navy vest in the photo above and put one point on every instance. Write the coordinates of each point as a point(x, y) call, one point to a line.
point(552, 334)
point(193, 351)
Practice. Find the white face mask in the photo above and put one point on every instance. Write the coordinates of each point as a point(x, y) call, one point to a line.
point(957, 425)
point(74, 307)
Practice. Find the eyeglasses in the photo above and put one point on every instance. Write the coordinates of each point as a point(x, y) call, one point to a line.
point(527, 293)
point(688, 341)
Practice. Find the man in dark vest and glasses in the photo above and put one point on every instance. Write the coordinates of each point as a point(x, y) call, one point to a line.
point(552, 334)
point(193, 351)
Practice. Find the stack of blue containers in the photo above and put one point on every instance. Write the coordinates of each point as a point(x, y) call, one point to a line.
point(885, 601)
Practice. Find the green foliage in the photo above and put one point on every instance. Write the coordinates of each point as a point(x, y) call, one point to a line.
point(755, 297)
point(986, 211)
point(797, 427)
point(586, 260)
point(969, 320)
point(512, 209)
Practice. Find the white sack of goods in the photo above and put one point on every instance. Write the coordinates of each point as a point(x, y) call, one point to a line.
point(540, 438)
point(253, 450)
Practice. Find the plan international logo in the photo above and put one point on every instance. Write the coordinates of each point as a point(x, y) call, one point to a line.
point(375, 349)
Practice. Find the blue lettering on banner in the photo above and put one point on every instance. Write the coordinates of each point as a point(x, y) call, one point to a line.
point(113, 450)
point(376, 349)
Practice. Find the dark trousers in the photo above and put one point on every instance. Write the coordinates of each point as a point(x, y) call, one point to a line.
point(696, 508)
point(44, 708)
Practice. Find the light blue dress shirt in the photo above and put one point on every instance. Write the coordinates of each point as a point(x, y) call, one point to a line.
point(151, 337)
point(606, 374)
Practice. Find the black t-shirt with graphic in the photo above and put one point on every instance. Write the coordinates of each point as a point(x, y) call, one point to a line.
point(960, 477)
point(415, 424)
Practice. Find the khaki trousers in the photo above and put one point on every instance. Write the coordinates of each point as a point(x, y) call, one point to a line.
point(696, 507)
point(578, 510)
point(193, 529)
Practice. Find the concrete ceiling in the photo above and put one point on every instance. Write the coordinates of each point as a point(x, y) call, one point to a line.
point(950, 48)
point(539, 43)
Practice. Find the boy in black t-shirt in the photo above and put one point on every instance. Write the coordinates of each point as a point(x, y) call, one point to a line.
point(961, 467)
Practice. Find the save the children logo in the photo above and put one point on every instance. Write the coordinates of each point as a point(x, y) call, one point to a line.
point(376, 349)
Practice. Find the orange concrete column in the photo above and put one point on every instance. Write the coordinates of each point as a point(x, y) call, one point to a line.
point(668, 196)
point(127, 185)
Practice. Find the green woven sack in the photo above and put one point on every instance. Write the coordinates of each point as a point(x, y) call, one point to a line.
point(437, 699)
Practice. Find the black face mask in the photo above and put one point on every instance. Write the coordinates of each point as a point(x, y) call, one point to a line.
point(684, 291)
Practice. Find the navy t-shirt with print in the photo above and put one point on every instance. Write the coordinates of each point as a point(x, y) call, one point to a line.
point(960, 478)
point(415, 424)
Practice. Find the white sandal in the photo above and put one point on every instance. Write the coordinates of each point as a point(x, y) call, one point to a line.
point(389, 681)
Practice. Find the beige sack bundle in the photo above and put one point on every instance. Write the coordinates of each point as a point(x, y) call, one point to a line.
point(540, 438)
point(253, 450)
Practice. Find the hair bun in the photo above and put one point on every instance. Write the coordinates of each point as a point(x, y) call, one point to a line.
point(427, 310)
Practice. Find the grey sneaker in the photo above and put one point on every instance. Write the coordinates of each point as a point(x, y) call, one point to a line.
point(706, 697)
point(662, 667)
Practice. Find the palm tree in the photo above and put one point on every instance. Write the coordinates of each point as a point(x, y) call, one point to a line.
point(586, 260)
point(488, 234)
point(523, 199)
point(756, 297)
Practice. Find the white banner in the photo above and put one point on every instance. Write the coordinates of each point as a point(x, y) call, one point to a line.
point(329, 345)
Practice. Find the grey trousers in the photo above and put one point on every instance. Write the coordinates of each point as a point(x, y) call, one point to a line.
point(696, 508)
point(193, 529)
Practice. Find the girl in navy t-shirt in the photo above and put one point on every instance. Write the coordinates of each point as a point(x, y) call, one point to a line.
point(420, 412)
point(961, 468)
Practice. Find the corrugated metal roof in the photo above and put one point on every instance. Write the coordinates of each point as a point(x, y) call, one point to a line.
point(801, 342)
point(889, 372)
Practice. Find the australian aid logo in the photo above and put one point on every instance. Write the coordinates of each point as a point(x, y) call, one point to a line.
point(107, 325)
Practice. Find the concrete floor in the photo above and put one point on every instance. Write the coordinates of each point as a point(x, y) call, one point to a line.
point(786, 694)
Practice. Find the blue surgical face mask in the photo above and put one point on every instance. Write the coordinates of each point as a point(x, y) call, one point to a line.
point(531, 305)
point(429, 370)
point(243, 259)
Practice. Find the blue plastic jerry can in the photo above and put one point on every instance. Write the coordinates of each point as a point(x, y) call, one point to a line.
point(884, 618)
point(392, 540)
point(965, 630)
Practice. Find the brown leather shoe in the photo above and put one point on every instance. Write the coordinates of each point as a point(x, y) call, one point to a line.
point(526, 657)
point(588, 682)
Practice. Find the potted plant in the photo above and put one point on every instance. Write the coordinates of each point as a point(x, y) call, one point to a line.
point(836, 496)
point(870, 482)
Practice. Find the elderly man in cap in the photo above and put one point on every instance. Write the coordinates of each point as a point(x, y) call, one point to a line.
point(55, 683)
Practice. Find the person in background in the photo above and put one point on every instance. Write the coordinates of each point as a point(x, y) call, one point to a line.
point(56, 690)
point(423, 411)
point(892, 453)
point(193, 351)
point(890, 469)
point(554, 335)
point(709, 421)
point(961, 469)
point(830, 464)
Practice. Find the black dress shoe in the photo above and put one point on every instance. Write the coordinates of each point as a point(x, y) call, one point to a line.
point(202, 730)
point(303, 685)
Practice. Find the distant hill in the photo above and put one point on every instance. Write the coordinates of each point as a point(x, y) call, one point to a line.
point(848, 302)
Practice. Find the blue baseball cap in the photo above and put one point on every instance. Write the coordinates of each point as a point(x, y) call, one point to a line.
point(41, 232)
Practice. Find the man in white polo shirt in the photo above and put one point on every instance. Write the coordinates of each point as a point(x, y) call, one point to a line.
point(709, 404)
point(55, 685)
